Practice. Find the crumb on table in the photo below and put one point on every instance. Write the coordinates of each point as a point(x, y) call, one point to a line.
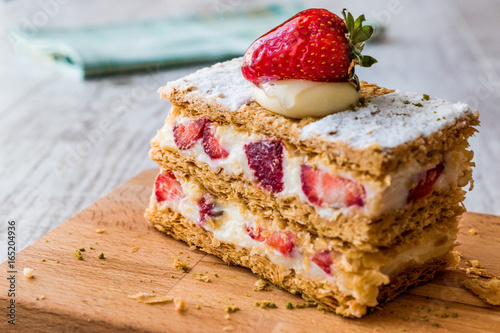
point(181, 266)
point(150, 298)
point(180, 304)
point(265, 304)
point(231, 308)
point(487, 290)
point(28, 272)
point(473, 231)
point(261, 285)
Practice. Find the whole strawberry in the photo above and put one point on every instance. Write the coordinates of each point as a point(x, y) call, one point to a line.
point(314, 45)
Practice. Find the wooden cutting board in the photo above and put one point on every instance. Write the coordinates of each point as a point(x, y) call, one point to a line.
point(67, 294)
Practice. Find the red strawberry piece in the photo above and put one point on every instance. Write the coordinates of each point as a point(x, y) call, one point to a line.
point(265, 158)
point(323, 260)
point(312, 45)
point(167, 187)
point(425, 183)
point(323, 189)
point(211, 145)
point(255, 233)
point(280, 241)
point(207, 208)
point(186, 134)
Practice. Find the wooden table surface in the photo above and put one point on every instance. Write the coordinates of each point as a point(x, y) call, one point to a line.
point(65, 143)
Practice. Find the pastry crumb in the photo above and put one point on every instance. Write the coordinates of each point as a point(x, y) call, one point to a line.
point(265, 304)
point(99, 231)
point(134, 249)
point(227, 316)
point(474, 263)
point(261, 285)
point(181, 266)
point(202, 277)
point(180, 304)
point(473, 231)
point(228, 328)
point(476, 272)
point(28, 272)
point(309, 304)
point(150, 298)
point(487, 290)
point(476, 269)
point(42, 297)
point(231, 308)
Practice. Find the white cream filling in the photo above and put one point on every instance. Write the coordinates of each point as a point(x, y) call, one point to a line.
point(378, 198)
point(419, 254)
point(232, 229)
point(303, 98)
point(362, 284)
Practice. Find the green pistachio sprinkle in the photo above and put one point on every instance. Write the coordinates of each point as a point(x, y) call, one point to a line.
point(78, 254)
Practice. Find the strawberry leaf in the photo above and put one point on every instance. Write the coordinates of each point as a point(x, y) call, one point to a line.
point(363, 34)
point(358, 23)
point(357, 35)
point(349, 20)
point(367, 61)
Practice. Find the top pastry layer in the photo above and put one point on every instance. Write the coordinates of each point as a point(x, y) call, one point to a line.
point(391, 129)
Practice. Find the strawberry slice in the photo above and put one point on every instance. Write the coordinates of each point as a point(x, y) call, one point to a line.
point(324, 261)
point(425, 183)
point(265, 158)
point(167, 187)
point(186, 134)
point(314, 45)
point(211, 145)
point(256, 234)
point(280, 241)
point(324, 190)
point(206, 206)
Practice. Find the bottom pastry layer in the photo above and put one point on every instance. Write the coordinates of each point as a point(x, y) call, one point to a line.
point(326, 291)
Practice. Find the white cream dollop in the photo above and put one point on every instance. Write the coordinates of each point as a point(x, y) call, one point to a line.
point(302, 98)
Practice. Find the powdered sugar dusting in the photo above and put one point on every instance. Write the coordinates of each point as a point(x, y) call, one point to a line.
point(222, 82)
point(388, 120)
